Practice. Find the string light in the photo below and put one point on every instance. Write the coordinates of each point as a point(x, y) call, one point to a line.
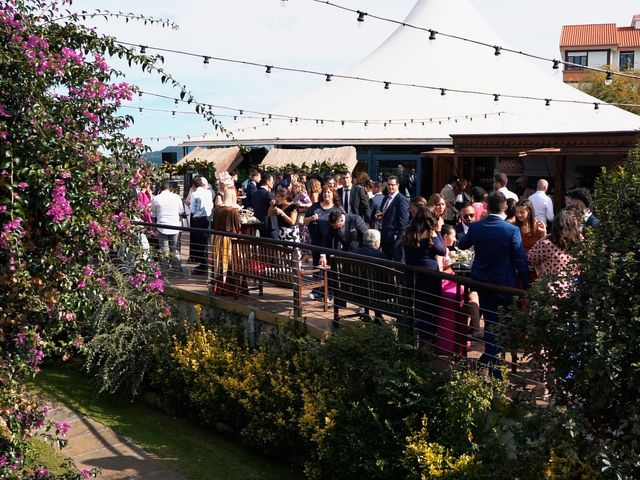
point(361, 16)
point(443, 92)
point(470, 40)
point(267, 72)
point(556, 66)
point(143, 49)
point(547, 103)
point(596, 106)
point(496, 97)
point(432, 36)
point(205, 62)
point(329, 77)
point(608, 80)
point(386, 85)
point(497, 50)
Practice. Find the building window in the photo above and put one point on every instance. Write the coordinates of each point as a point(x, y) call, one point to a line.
point(626, 60)
point(579, 58)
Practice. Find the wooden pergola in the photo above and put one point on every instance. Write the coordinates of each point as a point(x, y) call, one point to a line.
point(463, 158)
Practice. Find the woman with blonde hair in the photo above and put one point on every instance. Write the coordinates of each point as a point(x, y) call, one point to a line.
point(315, 187)
point(226, 218)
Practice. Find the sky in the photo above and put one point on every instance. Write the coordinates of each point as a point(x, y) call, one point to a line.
point(304, 34)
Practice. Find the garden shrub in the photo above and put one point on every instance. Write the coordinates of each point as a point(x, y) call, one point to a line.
point(371, 392)
point(126, 330)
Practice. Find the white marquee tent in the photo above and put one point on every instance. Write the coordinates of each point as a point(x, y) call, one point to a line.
point(407, 56)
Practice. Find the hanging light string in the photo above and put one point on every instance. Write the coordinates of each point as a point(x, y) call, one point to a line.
point(496, 48)
point(254, 114)
point(384, 83)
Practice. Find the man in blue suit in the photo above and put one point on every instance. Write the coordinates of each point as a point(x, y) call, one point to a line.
point(500, 260)
point(394, 218)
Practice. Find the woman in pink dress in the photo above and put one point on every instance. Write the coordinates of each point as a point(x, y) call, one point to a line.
point(452, 322)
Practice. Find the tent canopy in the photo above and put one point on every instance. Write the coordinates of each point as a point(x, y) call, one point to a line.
point(279, 157)
point(224, 159)
point(406, 115)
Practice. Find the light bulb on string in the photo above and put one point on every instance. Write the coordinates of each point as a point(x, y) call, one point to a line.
point(443, 93)
point(360, 19)
point(608, 80)
point(140, 96)
point(173, 113)
point(327, 79)
point(143, 49)
point(556, 66)
point(547, 103)
point(496, 97)
point(140, 110)
point(205, 62)
point(497, 51)
point(432, 37)
point(267, 72)
point(596, 107)
point(386, 85)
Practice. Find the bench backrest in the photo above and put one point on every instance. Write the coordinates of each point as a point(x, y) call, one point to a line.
point(376, 287)
point(274, 264)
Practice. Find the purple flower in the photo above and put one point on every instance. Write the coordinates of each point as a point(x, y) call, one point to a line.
point(62, 428)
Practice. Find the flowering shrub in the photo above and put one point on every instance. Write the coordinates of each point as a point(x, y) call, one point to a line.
point(67, 173)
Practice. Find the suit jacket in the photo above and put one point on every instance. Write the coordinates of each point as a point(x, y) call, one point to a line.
point(349, 237)
point(261, 201)
point(376, 206)
point(592, 221)
point(358, 202)
point(499, 256)
point(395, 218)
point(459, 230)
point(249, 191)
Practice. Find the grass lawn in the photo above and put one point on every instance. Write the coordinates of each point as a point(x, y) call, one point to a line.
point(193, 451)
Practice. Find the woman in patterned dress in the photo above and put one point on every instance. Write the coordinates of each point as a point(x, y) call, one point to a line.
point(552, 255)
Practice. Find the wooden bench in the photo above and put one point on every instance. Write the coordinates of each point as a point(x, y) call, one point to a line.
point(374, 287)
point(277, 265)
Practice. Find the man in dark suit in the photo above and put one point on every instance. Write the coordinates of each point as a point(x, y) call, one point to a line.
point(347, 230)
point(261, 201)
point(581, 198)
point(353, 198)
point(251, 188)
point(500, 260)
point(467, 217)
point(394, 218)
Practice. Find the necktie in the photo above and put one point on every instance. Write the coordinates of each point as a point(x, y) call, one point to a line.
point(346, 200)
point(386, 204)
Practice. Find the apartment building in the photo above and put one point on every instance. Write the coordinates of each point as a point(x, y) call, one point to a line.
point(597, 45)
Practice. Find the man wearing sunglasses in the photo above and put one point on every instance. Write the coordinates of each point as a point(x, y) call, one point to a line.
point(467, 216)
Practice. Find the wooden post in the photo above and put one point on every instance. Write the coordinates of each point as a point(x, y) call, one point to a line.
point(559, 182)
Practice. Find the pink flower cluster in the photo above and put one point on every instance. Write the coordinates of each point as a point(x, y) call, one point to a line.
point(62, 428)
point(122, 222)
point(60, 209)
point(157, 284)
point(10, 229)
point(101, 233)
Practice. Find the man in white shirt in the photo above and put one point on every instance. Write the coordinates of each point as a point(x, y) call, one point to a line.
point(449, 193)
point(500, 181)
point(167, 209)
point(201, 209)
point(542, 203)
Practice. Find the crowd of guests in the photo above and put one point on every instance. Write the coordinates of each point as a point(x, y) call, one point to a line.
point(516, 237)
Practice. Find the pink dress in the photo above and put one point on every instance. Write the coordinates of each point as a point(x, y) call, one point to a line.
point(452, 322)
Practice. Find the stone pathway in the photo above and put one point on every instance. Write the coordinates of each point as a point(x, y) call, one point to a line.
point(91, 444)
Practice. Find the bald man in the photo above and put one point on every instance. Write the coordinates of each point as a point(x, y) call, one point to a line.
point(542, 203)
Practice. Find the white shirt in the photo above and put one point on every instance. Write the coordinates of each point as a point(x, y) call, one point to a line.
point(201, 202)
point(542, 206)
point(166, 207)
point(508, 193)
